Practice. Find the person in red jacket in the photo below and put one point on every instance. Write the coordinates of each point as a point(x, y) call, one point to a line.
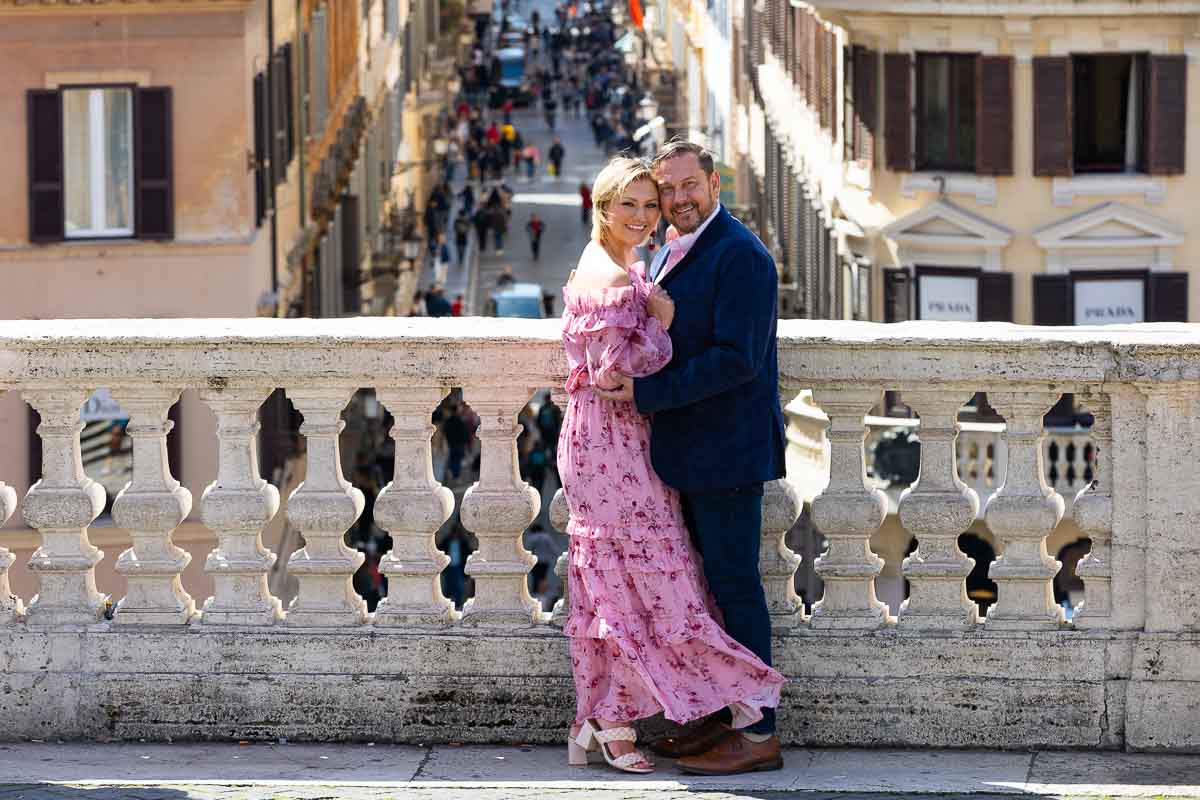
point(585, 197)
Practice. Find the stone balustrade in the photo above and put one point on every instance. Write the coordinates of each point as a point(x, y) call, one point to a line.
point(930, 672)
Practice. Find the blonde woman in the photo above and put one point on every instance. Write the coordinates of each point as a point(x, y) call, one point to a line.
point(643, 635)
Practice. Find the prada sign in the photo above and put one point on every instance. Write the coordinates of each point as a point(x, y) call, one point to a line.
point(953, 298)
point(1110, 302)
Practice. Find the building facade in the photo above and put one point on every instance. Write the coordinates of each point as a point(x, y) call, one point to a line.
point(230, 158)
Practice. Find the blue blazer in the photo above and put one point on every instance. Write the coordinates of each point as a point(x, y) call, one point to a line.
point(717, 422)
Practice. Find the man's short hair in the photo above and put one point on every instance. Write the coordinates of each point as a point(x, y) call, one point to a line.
point(680, 147)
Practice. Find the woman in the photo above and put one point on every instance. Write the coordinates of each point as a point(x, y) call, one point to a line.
point(644, 638)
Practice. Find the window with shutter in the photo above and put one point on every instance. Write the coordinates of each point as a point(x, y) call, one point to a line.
point(833, 55)
point(318, 81)
point(351, 255)
point(994, 115)
point(1109, 114)
point(1167, 114)
point(945, 112)
point(950, 294)
point(897, 295)
point(154, 164)
point(849, 115)
point(261, 171)
point(45, 156)
point(1168, 295)
point(810, 47)
point(866, 101)
point(897, 131)
point(277, 81)
point(1052, 116)
point(289, 102)
point(801, 47)
point(100, 163)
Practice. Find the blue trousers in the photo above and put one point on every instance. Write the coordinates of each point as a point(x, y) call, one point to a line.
point(726, 528)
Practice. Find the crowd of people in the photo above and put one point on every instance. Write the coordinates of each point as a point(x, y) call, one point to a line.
point(570, 65)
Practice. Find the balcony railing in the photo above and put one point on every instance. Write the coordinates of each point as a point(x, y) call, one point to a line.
point(237, 664)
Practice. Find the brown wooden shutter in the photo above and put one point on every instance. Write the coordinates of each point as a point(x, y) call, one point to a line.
point(278, 84)
point(897, 92)
point(995, 297)
point(994, 115)
point(261, 194)
point(45, 156)
point(351, 255)
point(1167, 107)
point(810, 47)
point(866, 69)
point(1053, 300)
point(897, 295)
point(289, 72)
point(1168, 294)
point(801, 48)
point(154, 164)
point(1053, 116)
point(833, 55)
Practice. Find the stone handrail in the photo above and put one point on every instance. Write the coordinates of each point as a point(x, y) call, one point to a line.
point(237, 664)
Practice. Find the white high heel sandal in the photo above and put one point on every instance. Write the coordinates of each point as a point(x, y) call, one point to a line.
point(593, 738)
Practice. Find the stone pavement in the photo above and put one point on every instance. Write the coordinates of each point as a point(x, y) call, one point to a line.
point(32, 771)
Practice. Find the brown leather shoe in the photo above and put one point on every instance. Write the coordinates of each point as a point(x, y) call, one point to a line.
point(693, 743)
point(735, 754)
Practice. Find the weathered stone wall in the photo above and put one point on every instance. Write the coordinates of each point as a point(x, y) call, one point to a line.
point(1121, 673)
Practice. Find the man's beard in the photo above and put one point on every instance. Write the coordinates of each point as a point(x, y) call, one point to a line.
point(700, 217)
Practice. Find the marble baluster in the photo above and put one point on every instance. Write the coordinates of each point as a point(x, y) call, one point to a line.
point(560, 518)
point(323, 508)
point(497, 510)
point(776, 562)
point(1093, 513)
point(1022, 513)
point(150, 507)
point(412, 508)
point(11, 607)
point(847, 513)
point(236, 506)
point(61, 506)
point(935, 510)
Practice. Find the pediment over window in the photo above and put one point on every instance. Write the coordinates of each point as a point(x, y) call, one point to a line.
point(1110, 226)
point(944, 225)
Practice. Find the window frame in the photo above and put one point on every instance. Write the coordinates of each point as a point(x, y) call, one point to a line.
point(922, 162)
point(1078, 276)
point(93, 235)
point(925, 270)
point(1079, 167)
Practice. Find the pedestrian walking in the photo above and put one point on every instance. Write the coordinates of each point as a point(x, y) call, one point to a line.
point(436, 302)
point(556, 154)
point(456, 308)
point(462, 230)
point(585, 202)
point(482, 221)
point(532, 157)
point(499, 225)
point(441, 263)
point(535, 227)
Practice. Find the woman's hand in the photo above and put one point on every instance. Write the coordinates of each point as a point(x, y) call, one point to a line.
point(660, 306)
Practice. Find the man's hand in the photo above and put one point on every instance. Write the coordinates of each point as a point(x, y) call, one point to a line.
point(622, 393)
point(660, 306)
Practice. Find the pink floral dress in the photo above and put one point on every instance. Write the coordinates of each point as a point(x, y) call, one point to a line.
point(644, 632)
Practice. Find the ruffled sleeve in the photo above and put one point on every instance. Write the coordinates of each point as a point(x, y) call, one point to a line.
point(611, 332)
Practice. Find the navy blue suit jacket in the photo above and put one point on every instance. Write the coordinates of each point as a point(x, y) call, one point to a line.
point(717, 420)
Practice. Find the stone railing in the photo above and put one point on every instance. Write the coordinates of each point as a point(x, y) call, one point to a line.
point(929, 673)
point(981, 455)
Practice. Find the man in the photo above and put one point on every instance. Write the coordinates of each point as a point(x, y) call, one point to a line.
point(436, 302)
point(556, 156)
point(717, 429)
point(536, 228)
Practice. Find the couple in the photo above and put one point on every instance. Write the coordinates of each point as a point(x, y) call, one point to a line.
point(673, 425)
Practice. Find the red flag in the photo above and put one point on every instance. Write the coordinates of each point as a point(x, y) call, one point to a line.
point(635, 12)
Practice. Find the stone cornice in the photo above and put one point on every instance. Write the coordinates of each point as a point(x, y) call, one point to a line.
point(391, 351)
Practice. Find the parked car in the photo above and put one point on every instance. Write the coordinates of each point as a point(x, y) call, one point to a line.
point(508, 79)
point(519, 300)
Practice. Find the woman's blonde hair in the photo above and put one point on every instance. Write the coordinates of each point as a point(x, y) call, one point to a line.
point(617, 176)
